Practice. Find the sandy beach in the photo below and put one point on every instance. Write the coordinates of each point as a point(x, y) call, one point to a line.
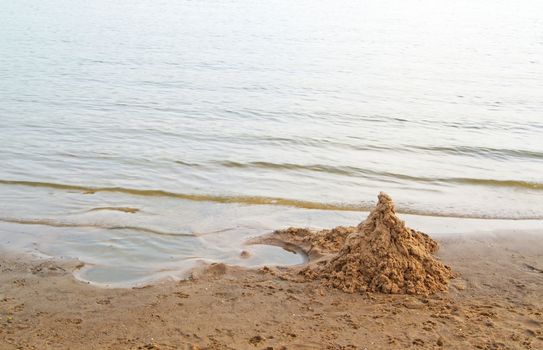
point(194, 175)
point(496, 302)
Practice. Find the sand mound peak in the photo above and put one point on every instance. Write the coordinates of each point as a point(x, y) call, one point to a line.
point(385, 256)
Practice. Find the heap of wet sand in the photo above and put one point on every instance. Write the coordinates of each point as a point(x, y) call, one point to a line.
point(380, 255)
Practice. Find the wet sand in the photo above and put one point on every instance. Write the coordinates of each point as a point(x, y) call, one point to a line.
point(496, 303)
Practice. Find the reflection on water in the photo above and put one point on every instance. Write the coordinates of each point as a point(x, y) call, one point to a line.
point(109, 127)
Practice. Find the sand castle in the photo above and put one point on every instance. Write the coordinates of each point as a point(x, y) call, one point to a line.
point(380, 255)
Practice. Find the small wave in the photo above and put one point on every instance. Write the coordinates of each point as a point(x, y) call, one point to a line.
point(188, 164)
point(354, 171)
point(339, 170)
point(261, 200)
point(121, 209)
point(499, 183)
point(481, 152)
point(53, 223)
point(256, 200)
point(350, 171)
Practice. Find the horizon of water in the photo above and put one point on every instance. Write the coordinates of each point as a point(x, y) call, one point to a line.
point(212, 108)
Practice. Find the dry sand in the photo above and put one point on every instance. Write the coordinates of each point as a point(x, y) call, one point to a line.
point(497, 303)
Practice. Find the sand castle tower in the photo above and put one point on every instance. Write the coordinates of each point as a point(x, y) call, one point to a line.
point(385, 256)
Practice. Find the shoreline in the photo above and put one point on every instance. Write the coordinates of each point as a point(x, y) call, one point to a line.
point(525, 213)
point(494, 303)
point(54, 242)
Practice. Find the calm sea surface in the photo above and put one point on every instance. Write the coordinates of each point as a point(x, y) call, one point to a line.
point(212, 121)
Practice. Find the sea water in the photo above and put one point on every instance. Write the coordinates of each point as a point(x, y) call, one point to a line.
point(144, 137)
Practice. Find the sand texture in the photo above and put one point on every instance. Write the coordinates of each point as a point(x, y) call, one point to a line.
point(314, 244)
point(400, 296)
point(496, 303)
